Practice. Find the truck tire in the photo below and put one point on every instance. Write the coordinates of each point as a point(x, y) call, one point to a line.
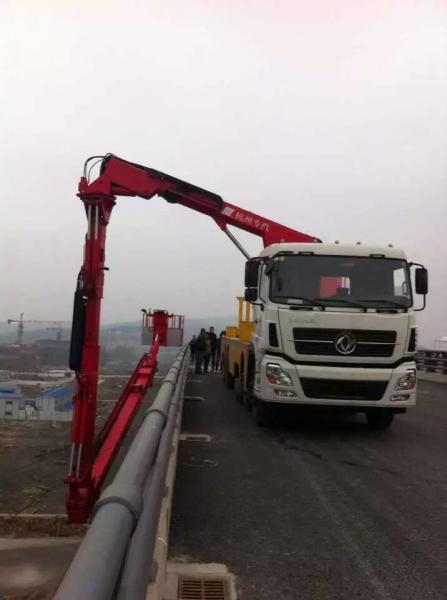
point(379, 419)
point(262, 412)
point(227, 376)
point(248, 398)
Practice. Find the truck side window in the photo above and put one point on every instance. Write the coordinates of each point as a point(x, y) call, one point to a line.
point(400, 283)
point(264, 287)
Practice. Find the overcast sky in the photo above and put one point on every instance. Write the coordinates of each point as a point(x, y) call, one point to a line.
point(328, 116)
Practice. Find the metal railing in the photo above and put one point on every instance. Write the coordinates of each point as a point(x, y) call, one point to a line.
point(114, 558)
point(432, 361)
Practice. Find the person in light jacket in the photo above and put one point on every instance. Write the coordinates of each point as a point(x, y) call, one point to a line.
point(219, 351)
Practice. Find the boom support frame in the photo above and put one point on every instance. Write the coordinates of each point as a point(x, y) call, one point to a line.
point(90, 459)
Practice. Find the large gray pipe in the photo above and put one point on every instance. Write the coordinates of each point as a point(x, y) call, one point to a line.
point(93, 573)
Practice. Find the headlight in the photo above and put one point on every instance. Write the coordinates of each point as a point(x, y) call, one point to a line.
point(276, 375)
point(408, 381)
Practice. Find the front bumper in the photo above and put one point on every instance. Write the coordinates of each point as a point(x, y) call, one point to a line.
point(325, 377)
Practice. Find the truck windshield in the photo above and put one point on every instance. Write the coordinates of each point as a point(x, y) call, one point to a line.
point(371, 282)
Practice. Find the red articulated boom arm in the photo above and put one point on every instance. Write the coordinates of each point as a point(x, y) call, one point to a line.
point(119, 177)
point(90, 459)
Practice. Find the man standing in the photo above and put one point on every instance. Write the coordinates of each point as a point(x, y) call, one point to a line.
point(207, 356)
point(200, 346)
point(192, 347)
point(213, 348)
point(219, 351)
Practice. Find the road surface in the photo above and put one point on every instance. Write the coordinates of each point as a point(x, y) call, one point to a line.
point(315, 509)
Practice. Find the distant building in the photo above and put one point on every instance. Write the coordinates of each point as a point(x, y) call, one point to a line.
point(61, 394)
point(55, 403)
point(52, 404)
point(12, 401)
point(11, 391)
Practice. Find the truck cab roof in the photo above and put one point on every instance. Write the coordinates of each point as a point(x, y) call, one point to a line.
point(335, 250)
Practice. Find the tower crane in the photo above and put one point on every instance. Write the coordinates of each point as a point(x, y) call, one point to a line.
point(21, 326)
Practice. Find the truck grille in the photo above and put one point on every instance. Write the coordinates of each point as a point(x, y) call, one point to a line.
point(320, 342)
point(335, 389)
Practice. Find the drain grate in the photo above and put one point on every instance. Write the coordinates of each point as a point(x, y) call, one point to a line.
point(195, 588)
point(193, 398)
point(195, 437)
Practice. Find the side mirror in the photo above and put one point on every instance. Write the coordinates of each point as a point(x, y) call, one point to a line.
point(251, 294)
point(252, 273)
point(421, 280)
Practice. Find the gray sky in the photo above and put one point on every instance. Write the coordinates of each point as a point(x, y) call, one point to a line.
point(327, 116)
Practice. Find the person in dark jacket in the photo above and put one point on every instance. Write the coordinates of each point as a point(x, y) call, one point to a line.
point(200, 346)
point(219, 351)
point(192, 347)
point(213, 348)
point(207, 357)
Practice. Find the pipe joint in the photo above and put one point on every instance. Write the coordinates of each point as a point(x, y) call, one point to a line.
point(161, 412)
point(125, 495)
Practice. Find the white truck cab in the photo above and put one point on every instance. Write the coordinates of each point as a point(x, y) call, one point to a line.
point(334, 326)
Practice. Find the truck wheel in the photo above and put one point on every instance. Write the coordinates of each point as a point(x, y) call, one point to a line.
point(261, 412)
point(379, 418)
point(227, 376)
point(248, 398)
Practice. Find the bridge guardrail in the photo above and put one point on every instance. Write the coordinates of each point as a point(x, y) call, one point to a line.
point(114, 558)
point(432, 361)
